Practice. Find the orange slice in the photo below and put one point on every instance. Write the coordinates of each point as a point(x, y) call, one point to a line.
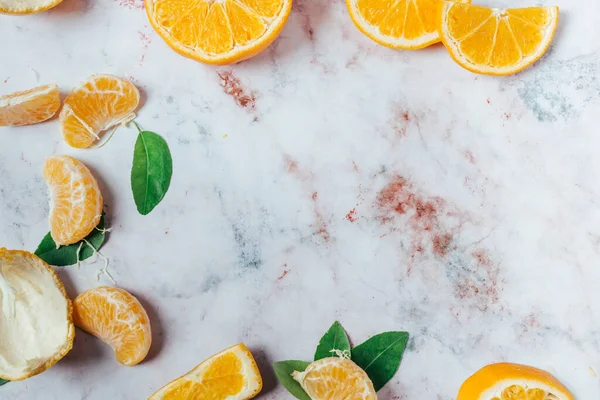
point(75, 199)
point(218, 32)
point(97, 104)
point(496, 41)
point(118, 319)
point(26, 6)
point(335, 378)
point(36, 323)
point(506, 381)
point(399, 24)
point(229, 375)
point(29, 107)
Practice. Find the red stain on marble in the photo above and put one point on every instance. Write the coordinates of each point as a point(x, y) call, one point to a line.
point(131, 4)
point(285, 272)
point(489, 101)
point(441, 244)
point(6, 80)
point(145, 40)
point(402, 119)
point(355, 166)
point(469, 156)
point(481, 283)
point(507, 115)
point(351, 216)
point(233, 87)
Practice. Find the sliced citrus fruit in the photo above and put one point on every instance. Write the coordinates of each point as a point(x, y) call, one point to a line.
point(335, 378)
point(26, 6)
point(399, 24)
point(505, 381)
point(229, 375)
point(75, 199)
point(118, 319)
point(97, 104)
point(29, 107)
point(36, 323)
point(218, 32)
point(496, 41)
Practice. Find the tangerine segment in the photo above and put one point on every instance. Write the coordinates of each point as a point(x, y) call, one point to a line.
point(399, 24)
point(26, 6)
point(505, 381)
point(229, 375)
point(75, 199)
point(335, 378)
point(98, 103)
point(118, 319)
point(29, 107)
point(218, 32)
point(496, 41)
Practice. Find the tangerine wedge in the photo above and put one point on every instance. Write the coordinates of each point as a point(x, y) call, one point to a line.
point(29, 107)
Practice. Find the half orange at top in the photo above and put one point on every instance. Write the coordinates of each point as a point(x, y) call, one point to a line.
point(26, 6)
point(29, 107)
point(97, 104)
point(231, 374)
point(218, 32)
point(399, 24)
point(496, 41)
point(505, 381)
point(75, 199)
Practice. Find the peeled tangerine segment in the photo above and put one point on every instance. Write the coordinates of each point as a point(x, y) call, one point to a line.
point(506, 381)
point(118, 319)
point(97, 104)
point(29, 107)
point(75, 199)
point(36, 326)
point(335, 378)
point(229, 375)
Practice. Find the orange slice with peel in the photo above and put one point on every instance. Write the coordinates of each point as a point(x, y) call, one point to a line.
point(335, 378)
point(118, 319)
point(36, 324)
point(218, 31)
point(231, 374)
point(496, 41)
point(75, 199)
point(399, 24)
point(97, 104)
point(26, 6)
point(505, 381)
point(29, 107)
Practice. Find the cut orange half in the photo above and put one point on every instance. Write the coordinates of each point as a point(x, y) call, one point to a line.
point(399, 24)
point(218, 31)
point(29, 107)
point(118, 319)
point(75, 199)
point(26, 6)
point(496, 41)
point(505, 381)
point(229, 375)
point(97, 104)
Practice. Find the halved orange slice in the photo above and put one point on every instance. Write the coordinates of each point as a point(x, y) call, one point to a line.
point(496, 41)
point(29, 107)
point(97, 104)
point(231, 374)
point(75, 199)
point(399, 24)
point(118, 319)
point(26, 6)
point(218, 32)
point(505, 381)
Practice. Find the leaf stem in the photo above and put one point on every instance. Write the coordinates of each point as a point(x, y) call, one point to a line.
point(137, 126)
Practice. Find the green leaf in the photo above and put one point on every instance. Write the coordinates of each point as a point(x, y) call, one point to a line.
point(380, 356)
point(151, 171)
point(67, 255)
point(334, 339)
point(2, 381)
point(284, 370)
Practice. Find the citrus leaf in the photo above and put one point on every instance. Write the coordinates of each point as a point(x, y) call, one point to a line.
point(284, 370)
point(151, 171)
point(334, 339)
point(380, 356)
point(2, 381)
point(67, 255)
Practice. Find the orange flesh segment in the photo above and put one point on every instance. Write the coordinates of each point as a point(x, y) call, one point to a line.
point(76, 201)
point(29, 107)
point(118, 319)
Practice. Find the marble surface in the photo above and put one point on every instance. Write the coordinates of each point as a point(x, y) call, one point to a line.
point(328, 178)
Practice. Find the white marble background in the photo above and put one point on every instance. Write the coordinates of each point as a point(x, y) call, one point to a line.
point(281, 214)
